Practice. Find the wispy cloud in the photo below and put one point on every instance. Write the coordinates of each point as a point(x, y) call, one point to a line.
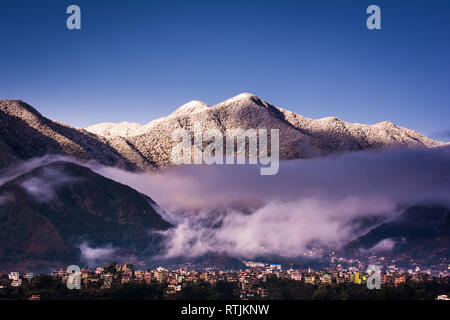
point(42, 186)
point(384, 245)
point(95, 256)
point(11, 173)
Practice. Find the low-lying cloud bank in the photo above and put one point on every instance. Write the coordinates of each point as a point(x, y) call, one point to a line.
point(233, 209)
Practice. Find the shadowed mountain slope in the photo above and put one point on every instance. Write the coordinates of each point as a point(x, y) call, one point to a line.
point(47, 213)
point(420, 232)
point(26, 134)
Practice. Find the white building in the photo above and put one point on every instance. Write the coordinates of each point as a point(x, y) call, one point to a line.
point(13, 276)
point(16, 283)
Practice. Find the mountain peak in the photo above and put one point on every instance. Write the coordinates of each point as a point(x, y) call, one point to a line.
point(17, 108)
point(193, 106)
point(242, 97)
point(245, 99)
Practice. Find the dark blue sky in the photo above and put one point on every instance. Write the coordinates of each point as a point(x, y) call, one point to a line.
point(140, 60)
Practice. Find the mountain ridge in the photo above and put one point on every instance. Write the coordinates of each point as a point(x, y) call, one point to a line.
point(26, 134)
point(300, 137)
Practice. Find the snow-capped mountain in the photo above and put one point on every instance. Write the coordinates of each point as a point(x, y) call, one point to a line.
point(25, 133)
point(300, 137)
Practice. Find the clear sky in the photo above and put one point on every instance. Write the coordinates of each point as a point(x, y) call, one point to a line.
point(139, 60)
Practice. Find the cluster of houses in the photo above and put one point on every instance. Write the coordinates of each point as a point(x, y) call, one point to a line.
point(16, 280)
point(391, 275)
point(249, 282)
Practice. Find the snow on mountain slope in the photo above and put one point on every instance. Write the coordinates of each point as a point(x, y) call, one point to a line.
point(300, 137)
point(127, 129)
point(122, 129)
